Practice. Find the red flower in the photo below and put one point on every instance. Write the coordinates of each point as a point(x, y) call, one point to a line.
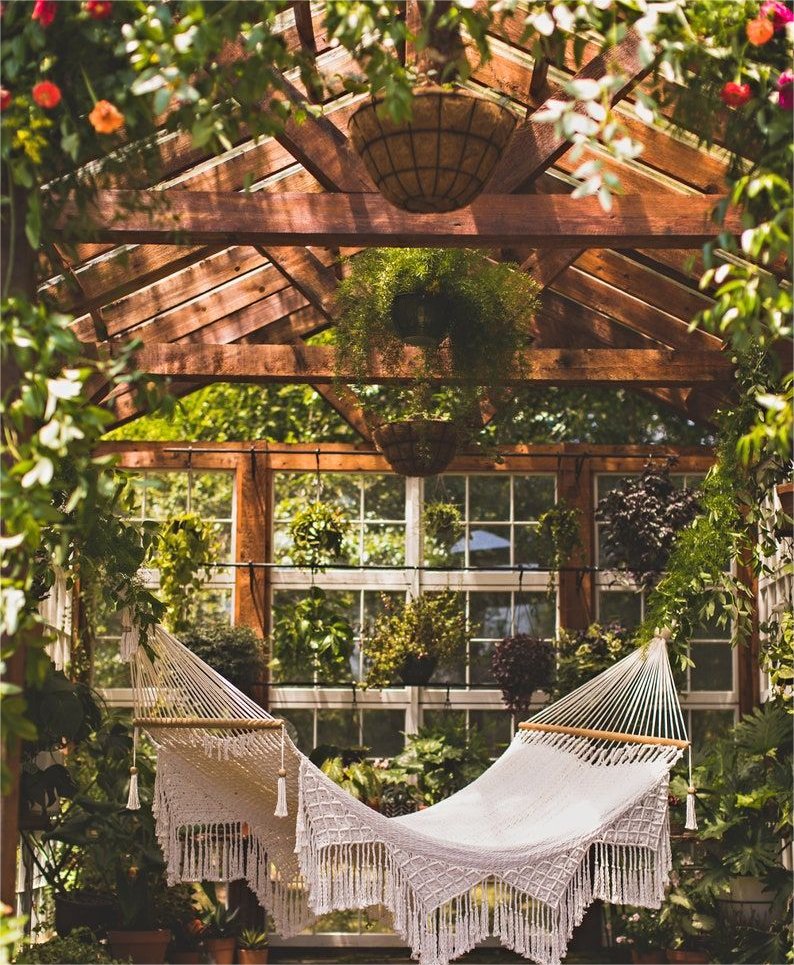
point(760, 31)
point(735, 95)
point(44, 11)
point(46, 94)
point(785, 88)
point(98, 9)
point(5, 98)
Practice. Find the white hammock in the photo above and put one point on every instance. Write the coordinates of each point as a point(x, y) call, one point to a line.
point(574, 810)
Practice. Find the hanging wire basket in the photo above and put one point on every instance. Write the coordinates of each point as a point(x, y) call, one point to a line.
point(421, 447)
point(442, 158)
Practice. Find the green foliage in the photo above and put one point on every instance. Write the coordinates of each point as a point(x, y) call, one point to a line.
point(431, 625)
point(251, 938)
point(491, 309)
point(642, 519)
point(777, 657)
point(186, 550)
point(359, 778)
point(442, 759)
point(559, 533)
point(442, 521)
point(312, 638)
point(80, 946)
point(317, 531)
point(12, 931)
point(235, 652)
point(583, 654)
point(218, 920)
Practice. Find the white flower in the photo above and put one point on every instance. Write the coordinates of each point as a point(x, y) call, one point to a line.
point(67, 387)
point(13, 601)
point(41, 473)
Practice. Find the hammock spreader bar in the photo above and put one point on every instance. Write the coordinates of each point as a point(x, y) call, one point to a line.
point(605, 735)
point(210, 723)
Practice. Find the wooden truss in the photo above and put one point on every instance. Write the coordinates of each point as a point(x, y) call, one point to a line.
point(223, 283)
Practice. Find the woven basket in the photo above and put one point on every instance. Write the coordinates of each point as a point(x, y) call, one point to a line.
point(418, 448)
point(442, 158)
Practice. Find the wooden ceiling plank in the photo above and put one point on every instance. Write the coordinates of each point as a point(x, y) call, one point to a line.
point(315, 364)
point(554, 221)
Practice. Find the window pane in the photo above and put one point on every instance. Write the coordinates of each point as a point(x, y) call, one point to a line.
point(480, 652)
point(382, 732)
point(384, 544)
point(384, 497)
point(444, 719)
point(338, 727)
point(300, 726)
point(619, 607)
point(533, 495)
point(211, 494)
point(713, 668)
point(705, 727)
point(528, 551)
point(490, 614)
point(489, 497)
point(535, 614)
point(447, 489)
point(494, 726)
point(165, 494)
point(489, 547)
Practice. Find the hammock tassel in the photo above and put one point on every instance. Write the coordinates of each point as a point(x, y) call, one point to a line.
point(281, 797)
point(130, 636)
point(133, 801)
point(691, 818)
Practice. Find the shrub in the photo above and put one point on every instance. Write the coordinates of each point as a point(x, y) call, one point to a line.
point(235, 652)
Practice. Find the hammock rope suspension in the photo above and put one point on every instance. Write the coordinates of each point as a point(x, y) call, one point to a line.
point(576, 809)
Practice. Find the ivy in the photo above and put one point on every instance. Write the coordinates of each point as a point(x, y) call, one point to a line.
point(186, 550)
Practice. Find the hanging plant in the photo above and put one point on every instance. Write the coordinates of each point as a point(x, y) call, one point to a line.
point(318, 532)
point(583, 654)
point(442, 521)
point(313, 640)
point(642, 520)
point(521, 665)
point(558, 536)
point(187, 549)
point(408, 641)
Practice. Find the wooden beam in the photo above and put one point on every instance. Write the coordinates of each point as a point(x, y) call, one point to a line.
point(310, 364)
point(367, 220)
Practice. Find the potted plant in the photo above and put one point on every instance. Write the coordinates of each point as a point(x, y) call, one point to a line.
point(583, 654)
point(219, 930)
point(358, 777)
point(235, 652)
point(253, 948)
point(640, 930)
point(521, 665)
point(177, 909)
point(313, 640)
point(398, 797)
point(486, 310)
point(642, 519)
point(80, 946)
point(317, 531)
point(558, 536)
point(442, 521)
point(408, 641)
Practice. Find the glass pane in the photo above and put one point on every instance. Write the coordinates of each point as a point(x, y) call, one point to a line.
point(713, 630)
point(384, 543)
point(212, 605)
point(489, 497)
point(532, 496)
point(536, 614)
point(489, 547)
point(705, 727)
point(344, 491)
point(528, 552)
point(444, 718)
point(281, 543)
point(382, 732)
point(443, 550)
point(494, 726)
point(211, 495)
point(490, 614)
point(300, 726)
point(165, 494)
point(338, 922)
point(713, 668)
point(338, 727)
point(605, 484)
point(384, 497)
point(223, 537)
point(447, 489)
point(622, 608)
point(480, 662)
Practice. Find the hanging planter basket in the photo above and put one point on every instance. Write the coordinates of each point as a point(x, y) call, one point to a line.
point(442, 158)
point(420, 319)
point(422, 447)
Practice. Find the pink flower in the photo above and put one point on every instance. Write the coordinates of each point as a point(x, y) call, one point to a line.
point(778, 13)
point(5, 98)
point(785, 90)
point(46, 94)
point(44, 11)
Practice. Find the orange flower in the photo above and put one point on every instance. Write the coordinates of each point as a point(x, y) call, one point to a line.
point(760, 31)
point(106, 118)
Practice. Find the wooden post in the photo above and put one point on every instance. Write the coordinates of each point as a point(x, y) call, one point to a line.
point(577, 593)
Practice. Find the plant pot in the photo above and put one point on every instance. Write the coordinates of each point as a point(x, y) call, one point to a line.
point(422, 447)
point(648, 958)
point(417, 671)
point(421, 319)
point(186, 958)
point(220, 950)
point(140, 947)
point(84, 909)
point(748, 901)
point(253, 956)
point(682, 955)
point(442, 157)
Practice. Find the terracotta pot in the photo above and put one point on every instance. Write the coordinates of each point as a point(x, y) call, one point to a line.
point(442, 157)
point(186, 958)
point(84, 909)
point(253, 956)
point(140, 947)
point(648, 958)
point(220, 950)
point(420, 447)
point(421, 319)
point(417, 671)
point(682, 955)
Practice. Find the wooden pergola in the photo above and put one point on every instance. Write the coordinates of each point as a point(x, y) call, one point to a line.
point(226, 266)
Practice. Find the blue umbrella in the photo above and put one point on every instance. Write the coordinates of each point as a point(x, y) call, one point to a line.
point(481, 539)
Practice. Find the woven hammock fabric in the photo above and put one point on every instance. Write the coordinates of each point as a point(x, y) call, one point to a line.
point(559, 820)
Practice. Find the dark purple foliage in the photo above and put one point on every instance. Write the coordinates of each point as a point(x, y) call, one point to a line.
point(521, 665)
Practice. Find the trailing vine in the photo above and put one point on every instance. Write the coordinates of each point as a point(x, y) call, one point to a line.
point(187, 548)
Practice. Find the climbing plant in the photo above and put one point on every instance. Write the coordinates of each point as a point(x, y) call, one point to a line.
point(186, 549)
